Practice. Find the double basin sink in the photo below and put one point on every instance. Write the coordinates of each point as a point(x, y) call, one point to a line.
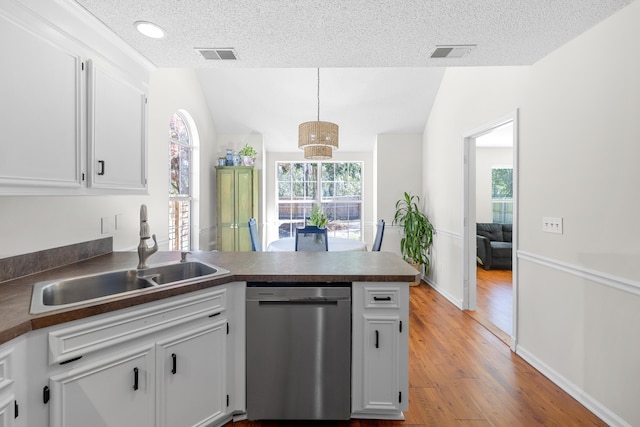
point(69, 292)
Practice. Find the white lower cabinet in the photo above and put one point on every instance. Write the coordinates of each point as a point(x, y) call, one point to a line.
point(12, 396)
point(7, 408)
point(191, 377)
point(159, 364)
point(116, 391)
point(380, 350)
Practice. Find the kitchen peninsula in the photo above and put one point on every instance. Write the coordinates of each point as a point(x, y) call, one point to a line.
point(181, 343)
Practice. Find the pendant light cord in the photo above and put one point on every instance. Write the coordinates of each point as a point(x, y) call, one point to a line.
point(318, 94)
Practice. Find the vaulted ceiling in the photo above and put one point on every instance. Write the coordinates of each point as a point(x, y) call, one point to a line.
point(376, 71)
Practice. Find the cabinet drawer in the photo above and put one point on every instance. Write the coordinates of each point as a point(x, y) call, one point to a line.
point(381, 297)
point(89, 336)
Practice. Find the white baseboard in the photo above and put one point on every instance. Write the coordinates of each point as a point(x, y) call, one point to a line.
point(455, 301)
point(572, 389)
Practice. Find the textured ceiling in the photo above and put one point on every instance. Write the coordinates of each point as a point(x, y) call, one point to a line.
point(361, 43)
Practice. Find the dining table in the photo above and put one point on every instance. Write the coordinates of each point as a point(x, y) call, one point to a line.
point(335, 244)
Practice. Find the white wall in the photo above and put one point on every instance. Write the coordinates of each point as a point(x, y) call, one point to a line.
point(468, 98)
point(486, 159)
point(578, 293)
point(398, 170)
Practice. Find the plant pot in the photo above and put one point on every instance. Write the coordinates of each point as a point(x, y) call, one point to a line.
point(417, 282)
point(248, 160)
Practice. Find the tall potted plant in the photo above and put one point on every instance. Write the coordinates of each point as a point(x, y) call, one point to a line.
point(418, 232)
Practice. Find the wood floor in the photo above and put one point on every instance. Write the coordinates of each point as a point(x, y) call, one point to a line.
point(461, 374)
point(495, 302)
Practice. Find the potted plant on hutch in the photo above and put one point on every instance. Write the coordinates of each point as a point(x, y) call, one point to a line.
point(248, 154)
point(418, 232)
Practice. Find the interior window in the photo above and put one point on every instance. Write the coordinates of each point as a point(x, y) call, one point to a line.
point(502, 194)
point(336, 186)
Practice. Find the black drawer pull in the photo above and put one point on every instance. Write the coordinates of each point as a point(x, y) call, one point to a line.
point(174, 360)
point(135, 378)
point(377, 339)
point(45, 394)
point(382, 298)
point(101, 163)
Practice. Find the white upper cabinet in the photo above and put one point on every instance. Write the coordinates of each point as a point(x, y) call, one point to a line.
point(73, 105)
point(117, 130)
point(41, 110)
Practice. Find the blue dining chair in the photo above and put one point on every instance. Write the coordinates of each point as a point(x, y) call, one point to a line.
point(312, 239)
point(256, 244)
point(377, 243)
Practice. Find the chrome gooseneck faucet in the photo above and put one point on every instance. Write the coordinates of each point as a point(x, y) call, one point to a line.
point(144, 251)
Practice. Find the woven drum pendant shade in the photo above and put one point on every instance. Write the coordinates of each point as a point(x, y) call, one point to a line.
point(317, 152)
point(318, 139)
point(318, 133)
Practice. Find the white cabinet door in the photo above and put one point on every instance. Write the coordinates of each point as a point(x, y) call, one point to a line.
point(116, 391)
point(117, 131)
point(381, 382)
point(7, 410)
point(41, 92)
point(191, 377)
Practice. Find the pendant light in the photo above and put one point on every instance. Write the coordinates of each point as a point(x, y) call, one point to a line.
point(318, 139)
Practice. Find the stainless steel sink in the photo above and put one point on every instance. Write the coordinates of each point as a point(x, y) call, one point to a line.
point(178, 272)
point(69, 292)
point(85, 288)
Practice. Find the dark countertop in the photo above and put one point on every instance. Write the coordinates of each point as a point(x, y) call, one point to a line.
point(15, 295)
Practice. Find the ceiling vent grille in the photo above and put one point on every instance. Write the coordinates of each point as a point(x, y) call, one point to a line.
point(452, 51)
point(217, 54)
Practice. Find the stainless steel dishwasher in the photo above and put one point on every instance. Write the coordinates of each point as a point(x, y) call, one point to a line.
point(298, 351)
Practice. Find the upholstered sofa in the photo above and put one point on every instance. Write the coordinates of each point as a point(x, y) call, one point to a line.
point(494, 244)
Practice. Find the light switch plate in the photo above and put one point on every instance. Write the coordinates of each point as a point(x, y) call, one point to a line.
point(552, 224)
point(106, 225)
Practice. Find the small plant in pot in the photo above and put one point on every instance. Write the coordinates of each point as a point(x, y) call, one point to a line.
point(317, 217)
point(248, 154)
point(418, 232)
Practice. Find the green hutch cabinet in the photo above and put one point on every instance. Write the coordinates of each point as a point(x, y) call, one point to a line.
point(237, 202)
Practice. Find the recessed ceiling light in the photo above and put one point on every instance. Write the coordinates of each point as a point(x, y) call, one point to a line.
point(149, 29)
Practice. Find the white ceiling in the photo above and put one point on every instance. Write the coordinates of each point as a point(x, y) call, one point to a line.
point(376, 73)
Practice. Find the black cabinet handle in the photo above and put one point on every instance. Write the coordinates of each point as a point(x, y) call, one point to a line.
point(135, 378)
point(101, 163)
point(45, 394)
point(382, 298)
point(174, 359)
point(377, 339)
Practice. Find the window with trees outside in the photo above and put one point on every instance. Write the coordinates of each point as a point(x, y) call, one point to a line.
point(335, 186)
point(502, 194)
point(180, 152)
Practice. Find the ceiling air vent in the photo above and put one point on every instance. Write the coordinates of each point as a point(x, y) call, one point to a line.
point(225, 54)
point(452, 51)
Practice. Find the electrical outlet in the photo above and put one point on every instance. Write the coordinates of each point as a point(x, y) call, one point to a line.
point(552, 224)
point(106, 225)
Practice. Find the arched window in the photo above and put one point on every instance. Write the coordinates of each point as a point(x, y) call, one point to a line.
point(180, 183)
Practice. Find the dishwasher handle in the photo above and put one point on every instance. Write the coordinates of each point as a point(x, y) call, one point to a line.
point(300, 301)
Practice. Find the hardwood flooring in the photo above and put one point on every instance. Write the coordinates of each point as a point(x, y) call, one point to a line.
point(495, 302)
point(461, 374)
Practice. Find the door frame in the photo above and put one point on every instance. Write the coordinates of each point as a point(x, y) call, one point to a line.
point(469, 294)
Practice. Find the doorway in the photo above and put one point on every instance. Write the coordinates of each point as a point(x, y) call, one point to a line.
point(490, 155)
